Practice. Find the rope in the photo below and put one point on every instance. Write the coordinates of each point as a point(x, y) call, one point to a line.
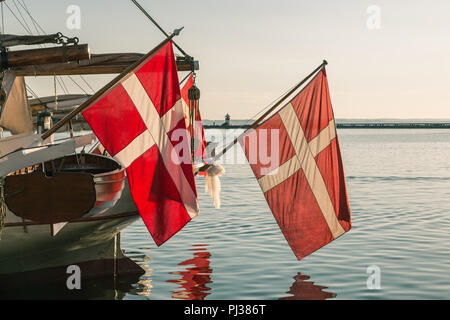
point(158, 26)
point(87, 83)
point(185, 78)
point(38, 27)
point(20, 22)
point(76, 83)
point(2, 207)
point(29, 90)
point(24, 6)
point(20, 13)
point(62, 84)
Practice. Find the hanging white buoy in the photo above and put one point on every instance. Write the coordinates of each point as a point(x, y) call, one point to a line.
point(212, 183)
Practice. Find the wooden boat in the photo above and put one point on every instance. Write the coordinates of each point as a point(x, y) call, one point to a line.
point(65, 189)
point(65, 210)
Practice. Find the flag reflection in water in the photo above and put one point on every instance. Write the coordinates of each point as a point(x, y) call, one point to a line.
point(193, 282)
point(302, 289)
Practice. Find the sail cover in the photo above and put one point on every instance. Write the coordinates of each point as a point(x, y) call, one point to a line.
point(15, 114)
point(10, 40)
point(304, 183)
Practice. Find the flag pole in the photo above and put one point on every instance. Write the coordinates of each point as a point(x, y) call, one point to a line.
point(264, 116)
point(107, 87)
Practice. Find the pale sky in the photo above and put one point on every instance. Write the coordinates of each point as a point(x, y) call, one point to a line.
point(251, 51)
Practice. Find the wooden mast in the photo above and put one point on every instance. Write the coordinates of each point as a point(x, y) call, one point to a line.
point(110, 63)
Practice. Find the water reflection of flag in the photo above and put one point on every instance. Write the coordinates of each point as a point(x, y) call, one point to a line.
point(307, 191)
point(194, 280)
point(140, 122)
point(304, 289)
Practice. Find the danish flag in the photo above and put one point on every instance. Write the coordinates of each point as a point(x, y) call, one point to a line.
point(307, 192)
point(140, 122)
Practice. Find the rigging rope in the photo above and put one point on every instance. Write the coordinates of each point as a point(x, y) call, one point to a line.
point(136, 3)
point(185, 78)
point(20, 13)
point(38, 27)
point(87, 83)
point(2, 206)
point(12, 12)
point(34, 94)
point(56, 93)
point(73, 80)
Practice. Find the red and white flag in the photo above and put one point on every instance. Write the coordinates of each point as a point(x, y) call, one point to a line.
point(196, 126)
point(140, 122)
point(306, 190)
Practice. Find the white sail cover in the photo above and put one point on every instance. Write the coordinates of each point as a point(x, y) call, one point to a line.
point(20, 141)
point(15, 114)
point(34, 150)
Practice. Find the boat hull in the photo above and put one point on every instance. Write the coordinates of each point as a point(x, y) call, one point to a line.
point(28, 247)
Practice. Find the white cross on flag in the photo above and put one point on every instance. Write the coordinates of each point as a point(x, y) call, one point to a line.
point(306, 192)
point(140, 122)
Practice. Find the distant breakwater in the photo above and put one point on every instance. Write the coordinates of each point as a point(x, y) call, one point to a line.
point(388, 125)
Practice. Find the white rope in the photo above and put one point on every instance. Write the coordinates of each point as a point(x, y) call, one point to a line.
point(212, 183)
point(87, 83)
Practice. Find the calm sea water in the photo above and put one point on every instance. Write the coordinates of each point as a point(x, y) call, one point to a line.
point(399, 189)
